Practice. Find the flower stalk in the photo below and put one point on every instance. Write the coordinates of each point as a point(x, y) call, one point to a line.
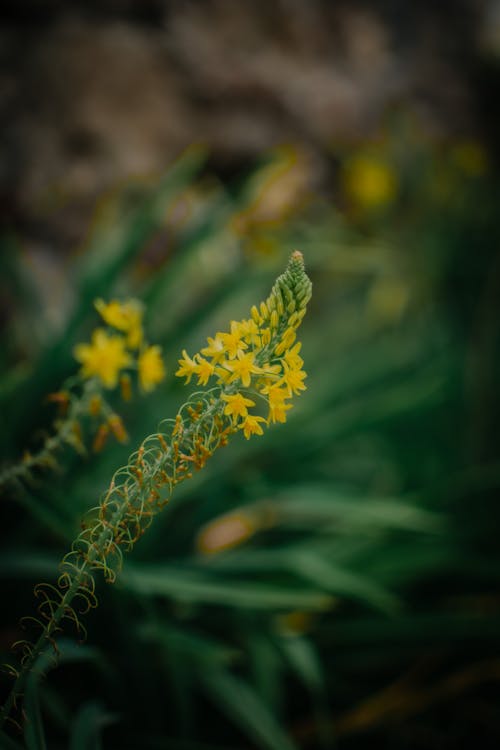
point(255, 364)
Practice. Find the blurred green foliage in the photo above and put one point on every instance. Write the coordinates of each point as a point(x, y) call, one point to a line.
point(361, 603)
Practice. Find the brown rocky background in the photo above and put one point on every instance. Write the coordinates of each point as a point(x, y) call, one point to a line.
point(94, 93)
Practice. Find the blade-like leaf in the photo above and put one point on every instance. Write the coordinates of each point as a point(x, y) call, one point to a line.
point(87, 726)
point(244, 707)
point(190, 586)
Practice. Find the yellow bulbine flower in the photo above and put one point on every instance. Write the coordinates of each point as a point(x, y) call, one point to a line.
point(125, 317)
point(203, 369)
point(277, 412)
point(242, 368)
point(237, 405)
point(292, 358)
point(215, 348)
point(233, 345)
point(293, 379)
point(369, 181)
point(260, 353)
point(275, 394)
point(139, 490)
point(250, 332)
point(251, 426)
point(150, 368)
point(104, 358)
point(187, 367)
point(277, 406)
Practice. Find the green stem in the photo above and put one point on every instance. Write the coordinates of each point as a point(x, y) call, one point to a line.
point(96, 550)
point(64, 435)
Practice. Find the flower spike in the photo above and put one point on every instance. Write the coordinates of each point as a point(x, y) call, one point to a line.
point(255, 361)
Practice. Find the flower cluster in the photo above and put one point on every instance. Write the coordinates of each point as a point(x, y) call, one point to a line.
point(109, 354)
point(259, 355)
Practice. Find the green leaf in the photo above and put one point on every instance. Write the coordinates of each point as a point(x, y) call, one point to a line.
point(318, 504)
point(303, 658)
point(34, 734)
point(322, 572)
point(244, 707)
point(188, 645)
point(190, 586)
point(313, 567)
point(87, 726)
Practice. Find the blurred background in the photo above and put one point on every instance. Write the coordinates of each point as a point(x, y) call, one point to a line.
point(334, 583)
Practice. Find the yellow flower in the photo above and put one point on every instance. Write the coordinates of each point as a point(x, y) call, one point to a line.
point(187, 367)
point(204, 370)
point(292, 358)
point(277, 406)
point(237, 405)
point(233, 344)
point(242, 368)
point(103, 358)
point(215, 349)
point(369, 181)
point(250, 332)
point(151, 368)
point(223, 373)
point(293, 378)
point(126, 317)
point(251, 426)
point(277, 412)
point(275, 393)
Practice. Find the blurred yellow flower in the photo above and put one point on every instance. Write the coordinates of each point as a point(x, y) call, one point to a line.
point(470, 157)
point(150, 367)
point(103, 358)
point(388, 299)
point(124, 316)
point(369, 181)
